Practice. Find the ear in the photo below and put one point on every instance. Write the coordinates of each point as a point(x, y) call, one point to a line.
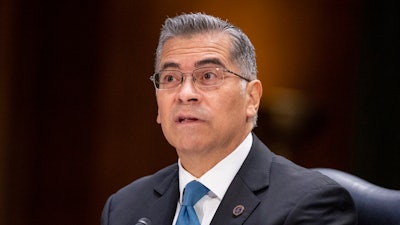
point(254, 93)
point(158, 117)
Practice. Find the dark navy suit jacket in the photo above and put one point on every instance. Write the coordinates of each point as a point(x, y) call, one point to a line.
point(272, 190)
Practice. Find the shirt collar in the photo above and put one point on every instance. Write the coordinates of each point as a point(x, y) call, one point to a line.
point(218, 178)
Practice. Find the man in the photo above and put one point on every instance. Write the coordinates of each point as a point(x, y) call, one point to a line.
point(208, 96)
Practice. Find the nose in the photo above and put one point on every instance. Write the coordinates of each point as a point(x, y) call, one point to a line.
point(187, 91)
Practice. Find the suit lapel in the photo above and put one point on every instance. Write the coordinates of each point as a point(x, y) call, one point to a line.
point(238, 195)
point(252, 177)
point(162, 210)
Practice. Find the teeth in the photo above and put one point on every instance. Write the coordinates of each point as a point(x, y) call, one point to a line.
point(181, 120)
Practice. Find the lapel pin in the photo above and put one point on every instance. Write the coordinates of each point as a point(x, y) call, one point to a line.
point(238, 210)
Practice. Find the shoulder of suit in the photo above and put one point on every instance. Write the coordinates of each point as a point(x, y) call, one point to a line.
point(151, 180)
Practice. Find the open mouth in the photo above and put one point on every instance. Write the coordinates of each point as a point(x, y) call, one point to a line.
point(187, 119)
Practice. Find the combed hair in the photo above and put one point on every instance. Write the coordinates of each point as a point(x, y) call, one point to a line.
point(242, 52)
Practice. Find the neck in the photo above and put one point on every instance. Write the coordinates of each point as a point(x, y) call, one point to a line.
point(198, 163)
point(198, 166)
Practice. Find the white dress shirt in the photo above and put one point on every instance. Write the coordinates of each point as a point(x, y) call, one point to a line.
point(217, 180)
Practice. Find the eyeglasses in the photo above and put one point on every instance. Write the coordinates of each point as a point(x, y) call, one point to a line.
point(202, 77)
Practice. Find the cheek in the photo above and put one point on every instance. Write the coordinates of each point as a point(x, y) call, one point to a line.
point(231, 108)
point(158, 118)
point(164, 105)
point(160, 110)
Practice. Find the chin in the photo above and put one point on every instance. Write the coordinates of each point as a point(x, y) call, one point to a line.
point(189, 145)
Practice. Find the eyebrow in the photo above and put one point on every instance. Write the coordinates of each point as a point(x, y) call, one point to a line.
point(170, 65)
point(203, 62)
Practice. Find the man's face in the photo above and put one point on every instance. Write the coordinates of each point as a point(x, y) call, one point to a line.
point(196, 120)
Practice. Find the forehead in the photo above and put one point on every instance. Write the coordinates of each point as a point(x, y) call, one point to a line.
point(196, 50)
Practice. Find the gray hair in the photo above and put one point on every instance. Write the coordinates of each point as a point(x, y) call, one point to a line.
point(242, 52)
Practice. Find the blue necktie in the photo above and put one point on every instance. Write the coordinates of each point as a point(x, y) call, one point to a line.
point(193, 192)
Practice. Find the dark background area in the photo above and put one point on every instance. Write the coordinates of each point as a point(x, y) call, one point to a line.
point(77, 110)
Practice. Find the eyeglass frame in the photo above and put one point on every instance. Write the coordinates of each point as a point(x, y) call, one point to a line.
point(224, 70)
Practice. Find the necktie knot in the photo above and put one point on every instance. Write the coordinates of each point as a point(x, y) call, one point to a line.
point(193, 192)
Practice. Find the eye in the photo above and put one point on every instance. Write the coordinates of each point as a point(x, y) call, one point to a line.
point(208, 75)
point(168, 77)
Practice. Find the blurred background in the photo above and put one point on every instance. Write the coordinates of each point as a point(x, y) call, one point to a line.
point(78, 112)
